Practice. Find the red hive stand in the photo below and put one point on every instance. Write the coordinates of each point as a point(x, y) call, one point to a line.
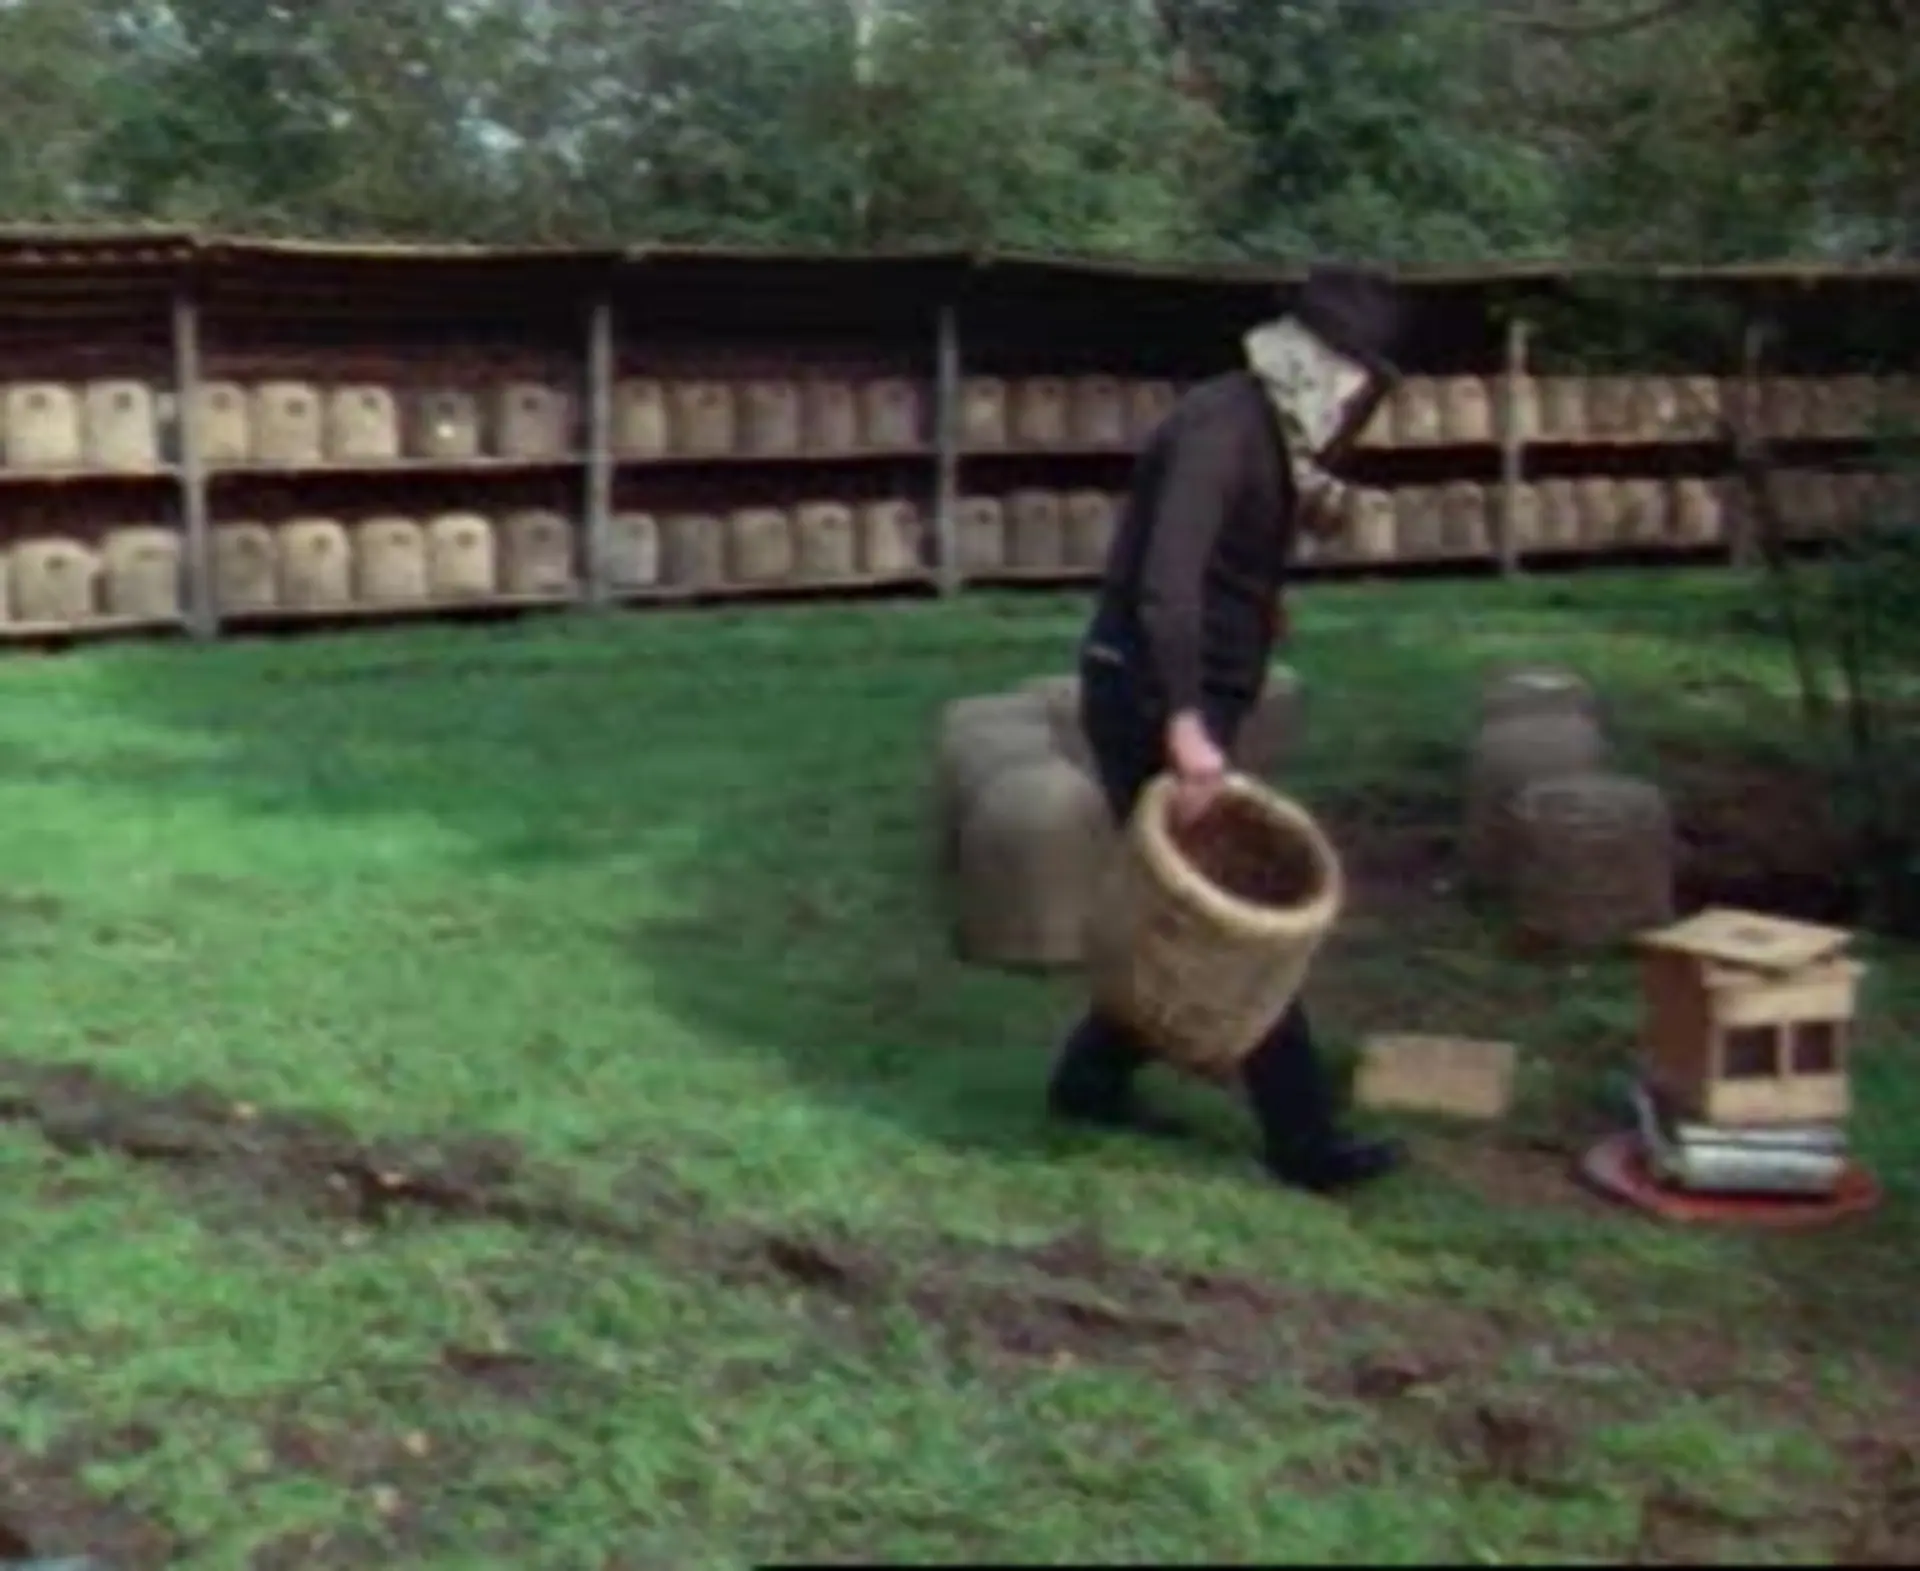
point(1617, 1168)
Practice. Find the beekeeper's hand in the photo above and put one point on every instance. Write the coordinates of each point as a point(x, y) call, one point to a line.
point(1197, 764)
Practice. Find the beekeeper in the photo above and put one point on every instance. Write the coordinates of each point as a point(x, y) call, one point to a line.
point(1186, 622)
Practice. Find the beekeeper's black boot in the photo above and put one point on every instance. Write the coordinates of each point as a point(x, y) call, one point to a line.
point(1094, 1082)
point(1293, 1104)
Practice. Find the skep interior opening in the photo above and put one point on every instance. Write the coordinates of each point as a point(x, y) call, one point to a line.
point(1251, 856)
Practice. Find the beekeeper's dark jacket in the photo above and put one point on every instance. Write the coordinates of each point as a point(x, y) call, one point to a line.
point(1201, 550)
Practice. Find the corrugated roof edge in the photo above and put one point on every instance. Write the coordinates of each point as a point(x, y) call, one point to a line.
point(1539, 272)
point(24, 247)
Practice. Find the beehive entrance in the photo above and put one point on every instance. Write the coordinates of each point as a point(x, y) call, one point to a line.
point(1772, 1052)
point(1751, 1053)
point(1245, 853)
point(1816, 1048)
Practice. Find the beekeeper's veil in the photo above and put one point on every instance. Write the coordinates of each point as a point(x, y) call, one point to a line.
point(1325, 364)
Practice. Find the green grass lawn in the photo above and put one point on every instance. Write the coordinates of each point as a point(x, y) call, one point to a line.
point(737, 1234)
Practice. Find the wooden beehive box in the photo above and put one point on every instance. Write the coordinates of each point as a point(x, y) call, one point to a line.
point(1747, 1019)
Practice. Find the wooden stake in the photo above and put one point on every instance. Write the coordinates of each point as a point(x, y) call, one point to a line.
point(1748, 434)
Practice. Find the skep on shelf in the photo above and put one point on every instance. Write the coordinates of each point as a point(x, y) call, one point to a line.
point(132, 580)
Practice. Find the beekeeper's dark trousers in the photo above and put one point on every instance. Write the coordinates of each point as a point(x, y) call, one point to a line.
point(1093, 1079)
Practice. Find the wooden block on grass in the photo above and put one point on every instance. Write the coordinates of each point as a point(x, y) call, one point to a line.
point(1456, 1076)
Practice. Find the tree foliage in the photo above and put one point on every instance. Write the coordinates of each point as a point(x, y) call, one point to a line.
point(1705, 129)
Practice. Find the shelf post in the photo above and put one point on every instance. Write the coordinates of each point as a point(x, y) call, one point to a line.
point(203, 611)
point(1513, 445)
point(946, 436)
point(1748, 433)
point(599, 514)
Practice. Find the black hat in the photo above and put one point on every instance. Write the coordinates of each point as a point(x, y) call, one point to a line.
point(1355, 310)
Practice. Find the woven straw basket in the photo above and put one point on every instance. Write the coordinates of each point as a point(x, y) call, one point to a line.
point(889, 538)
point(1032, 846)
point(979, 737)
point(983, 412)
point(1510, 754)
point(1087, 523)
point(1593, 858)
point(1200, 939)
point(1148, 403)
point(980, 531)
point(1036, 531)
point(633, 551)
point(890, 414)
point(1521, 691)
point(826, 544)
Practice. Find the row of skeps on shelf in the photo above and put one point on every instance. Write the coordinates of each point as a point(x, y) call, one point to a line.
point(1627, 410)
point(128, 426)
point(1041, 532)
point(1593, 513)
point(121, 425)
point(319, 564)
point(322, 564)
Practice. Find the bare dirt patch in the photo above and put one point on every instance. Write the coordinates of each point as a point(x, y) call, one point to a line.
point(400, 1480)
point(1396, 848)
point(1883, 1519)
point(46, 1512)
point(1760, 833)
point(1513, 1170)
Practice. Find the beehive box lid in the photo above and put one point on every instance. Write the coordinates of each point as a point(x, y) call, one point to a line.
point(1750, 940)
